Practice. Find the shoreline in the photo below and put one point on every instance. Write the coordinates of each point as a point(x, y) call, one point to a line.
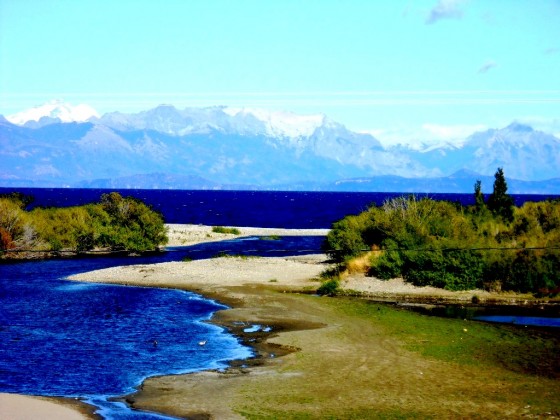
point(254, 289)
point(22, 407)
point(248, 305)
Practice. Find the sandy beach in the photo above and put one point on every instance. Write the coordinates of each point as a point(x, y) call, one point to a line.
point(23, 407)
point(324, 352)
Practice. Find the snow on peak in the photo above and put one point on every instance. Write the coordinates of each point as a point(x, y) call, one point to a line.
point(64, 111)
point(281, 123)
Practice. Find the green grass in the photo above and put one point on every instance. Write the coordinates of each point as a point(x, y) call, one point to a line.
point(225, 230)
point(528, 351)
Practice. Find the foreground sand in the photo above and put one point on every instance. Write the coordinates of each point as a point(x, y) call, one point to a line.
point(23, 407)
point(332, 364)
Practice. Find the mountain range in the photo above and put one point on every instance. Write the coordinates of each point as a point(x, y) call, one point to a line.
point(57, 145)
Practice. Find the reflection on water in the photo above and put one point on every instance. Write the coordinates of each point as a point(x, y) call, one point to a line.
point(521, 320)
point(539, 316)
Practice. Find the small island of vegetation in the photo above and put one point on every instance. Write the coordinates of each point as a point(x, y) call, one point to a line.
point(490, 245)
point(116, 223)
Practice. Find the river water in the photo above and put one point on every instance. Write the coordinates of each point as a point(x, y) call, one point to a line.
point(95, 341)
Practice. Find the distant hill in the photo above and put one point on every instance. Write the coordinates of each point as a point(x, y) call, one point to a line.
point(219, 147)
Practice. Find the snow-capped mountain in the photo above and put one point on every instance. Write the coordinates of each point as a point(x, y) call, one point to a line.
point(280, 124)
point(524, 153)
point(315, 134)
point(56, 110)
point(528, 154)
point(252, 148)
point(246, 121)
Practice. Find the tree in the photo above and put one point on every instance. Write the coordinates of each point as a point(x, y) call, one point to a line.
point(133, 226)
point(500, 202)
point(478, 197)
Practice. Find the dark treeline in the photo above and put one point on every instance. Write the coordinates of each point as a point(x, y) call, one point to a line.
point(116, 223)
point(492, 244)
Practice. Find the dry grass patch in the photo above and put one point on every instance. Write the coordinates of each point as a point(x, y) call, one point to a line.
point(360, 265)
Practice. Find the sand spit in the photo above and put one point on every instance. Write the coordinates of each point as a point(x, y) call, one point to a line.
point(183, 235)
point(215, 273)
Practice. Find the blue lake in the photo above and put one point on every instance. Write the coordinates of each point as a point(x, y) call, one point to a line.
point(281, 209)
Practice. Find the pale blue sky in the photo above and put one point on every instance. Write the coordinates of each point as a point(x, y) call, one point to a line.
point(400, 69)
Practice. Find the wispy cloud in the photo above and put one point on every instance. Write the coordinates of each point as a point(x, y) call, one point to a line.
point(426, 135)
point(128, 101)
point(451, 132)
point(548, 125)
point(445, 9)
point(490, 64)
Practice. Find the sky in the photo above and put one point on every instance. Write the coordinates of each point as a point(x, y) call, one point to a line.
point(405, 71)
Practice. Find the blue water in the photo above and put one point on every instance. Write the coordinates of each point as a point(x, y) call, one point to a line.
point(535, 321)
point(246, 208)
point(94, 341)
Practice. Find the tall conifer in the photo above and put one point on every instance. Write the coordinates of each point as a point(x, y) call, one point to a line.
point(500, 202)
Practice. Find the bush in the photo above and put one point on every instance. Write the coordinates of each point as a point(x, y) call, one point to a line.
point(116, 223)
point(445, 245)
point(388, 265)
point(221, 229)
point(17, 230)
point(345, 239)
point(452, 270)
point(329, 288)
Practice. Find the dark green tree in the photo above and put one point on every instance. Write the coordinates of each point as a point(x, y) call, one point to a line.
point(500, 202)
point(478, 197)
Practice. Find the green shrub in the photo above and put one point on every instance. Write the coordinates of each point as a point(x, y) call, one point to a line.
point(345, 239)
point(221, 229)
point(442, 244)
point(329, 288)
point(117, 223)
point(386, 266)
